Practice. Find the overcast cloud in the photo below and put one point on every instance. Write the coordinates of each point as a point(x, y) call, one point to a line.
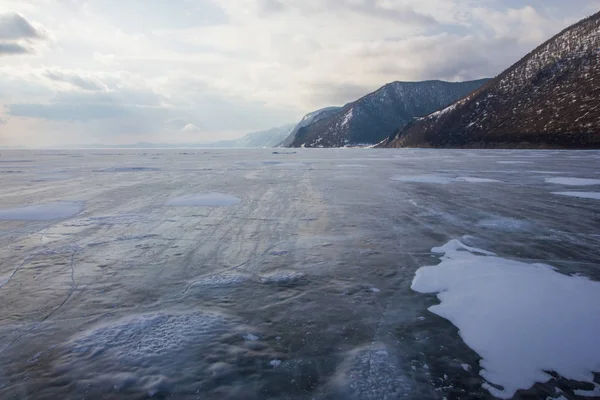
point(122, 71)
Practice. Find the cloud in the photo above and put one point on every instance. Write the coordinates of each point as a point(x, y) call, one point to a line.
point(14, 26)
point(230, 67)
point(83, 82)
point(12, 48)
point(17, 34)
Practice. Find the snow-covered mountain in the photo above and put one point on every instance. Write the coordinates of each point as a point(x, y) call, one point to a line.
point(550, 98)
point(308, 119)
point(373, 117)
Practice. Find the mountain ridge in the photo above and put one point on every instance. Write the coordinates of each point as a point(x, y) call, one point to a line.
point(547, 99)
point(369, 119)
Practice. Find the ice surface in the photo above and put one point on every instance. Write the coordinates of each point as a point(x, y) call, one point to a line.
point(204, 200)
point(371, 373)
point(514, 162)
point(581, 195)
point(441, 179)
point(471, 179)
point(131, 298)
point(351, 166)
point(573, 181)
point(128, 169)
point(507, 311)
point(424, 179)
point(505, 224)
point(251, 337)
point(43, 212)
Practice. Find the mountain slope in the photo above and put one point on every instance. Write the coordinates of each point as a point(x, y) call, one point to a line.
point(370, 119)
point(308, 119)
point(550, 98)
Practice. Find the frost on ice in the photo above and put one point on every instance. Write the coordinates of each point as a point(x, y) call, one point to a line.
point(581, 195)
point(522, 319)
point(43, 212)
point(204, 200)
point(444, 180)
point(573, 181)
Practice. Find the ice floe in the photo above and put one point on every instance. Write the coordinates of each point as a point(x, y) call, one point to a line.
point(573, 181)
point(204, 200)
point(43, 212)
point(522, 319)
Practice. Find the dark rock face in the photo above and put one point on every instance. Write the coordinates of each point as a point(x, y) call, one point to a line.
point(370, 119)
point(549, 99)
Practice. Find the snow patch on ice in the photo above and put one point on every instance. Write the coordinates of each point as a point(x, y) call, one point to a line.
point(43, 212)
point(522, 319)
point(581, 195)
point(204, 200)
point(514, 162)
point(471, 179)
point(573, 181)
point(250, 337)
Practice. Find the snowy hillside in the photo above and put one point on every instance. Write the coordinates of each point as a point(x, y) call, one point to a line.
point(307, 120)
point(373, 117)
point(548, 99)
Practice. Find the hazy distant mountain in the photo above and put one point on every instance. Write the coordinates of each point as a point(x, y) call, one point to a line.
point(550, 98)
point(373, 117)
point(269, 138)
point(308, 119)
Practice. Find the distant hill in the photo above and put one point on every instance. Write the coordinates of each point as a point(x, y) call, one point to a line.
point(549, 99)
point(373, 117)
point(269, 138)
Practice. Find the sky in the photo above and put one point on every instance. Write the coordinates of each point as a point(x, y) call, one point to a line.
point(76, 72)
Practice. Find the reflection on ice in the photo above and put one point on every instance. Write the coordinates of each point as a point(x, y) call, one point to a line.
point(43, 212)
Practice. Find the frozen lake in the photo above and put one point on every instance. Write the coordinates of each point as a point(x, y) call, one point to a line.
point(193, 274)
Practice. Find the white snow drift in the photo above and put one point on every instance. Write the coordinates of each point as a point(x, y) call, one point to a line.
point(522, 319)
